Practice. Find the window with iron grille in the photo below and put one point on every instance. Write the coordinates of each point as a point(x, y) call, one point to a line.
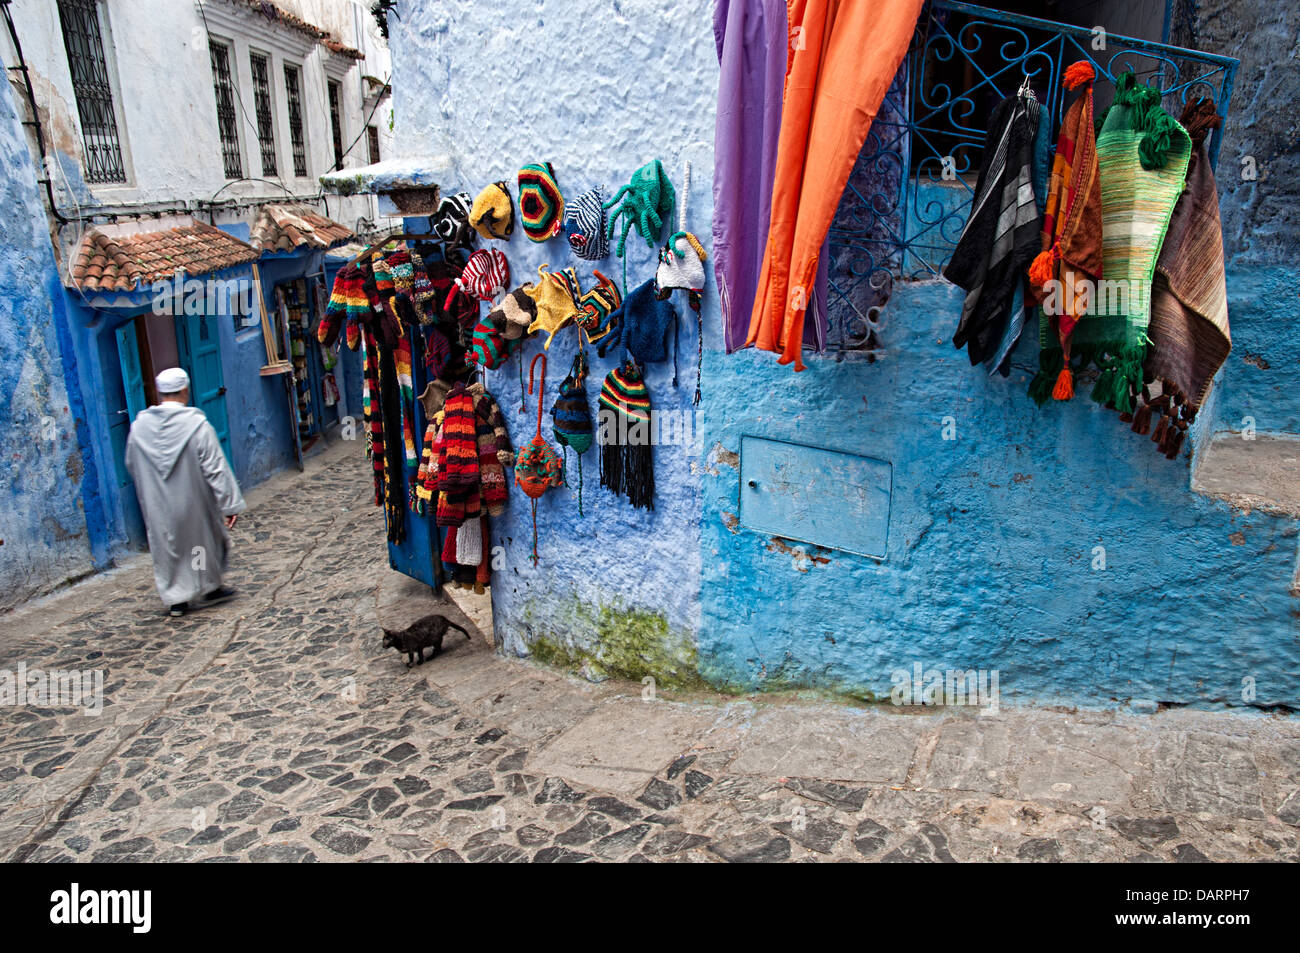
point(84, 42)
point(297, 138)
point(262, 107)
point(227, 121)
point(336, 121)
point(372, 136)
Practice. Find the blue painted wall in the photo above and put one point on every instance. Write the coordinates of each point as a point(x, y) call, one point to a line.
point(993, 558)
point(42, 513)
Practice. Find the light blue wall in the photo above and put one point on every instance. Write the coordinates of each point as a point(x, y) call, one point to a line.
point(42, 513)
point(992, 536)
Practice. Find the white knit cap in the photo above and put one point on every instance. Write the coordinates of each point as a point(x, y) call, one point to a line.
point(172, 381)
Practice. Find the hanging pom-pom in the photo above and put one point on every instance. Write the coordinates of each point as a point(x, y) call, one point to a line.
point(1142, 419)
point(1064, 388)
point(1040, 269)
point(1076, 74)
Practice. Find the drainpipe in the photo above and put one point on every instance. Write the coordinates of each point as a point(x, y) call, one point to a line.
point(35, 121)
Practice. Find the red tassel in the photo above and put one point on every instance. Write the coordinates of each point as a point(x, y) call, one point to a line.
point(1064, 388)
point(1040, 269)
point(1142, 419)
point(1076, 74)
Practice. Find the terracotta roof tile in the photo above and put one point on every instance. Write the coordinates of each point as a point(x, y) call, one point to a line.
point(128, 262)
point(289, 227)
point(276, 14)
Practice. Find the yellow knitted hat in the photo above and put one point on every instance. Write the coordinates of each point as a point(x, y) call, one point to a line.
point(556, 295)
point(493, 214)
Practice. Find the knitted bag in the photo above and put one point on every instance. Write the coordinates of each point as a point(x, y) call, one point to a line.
point(584, 225)
point(541, 206)
point(515, 313)
point(596, 306)
point(493, 215)
point(626, 455)
point(571, 417)
point(538, 467)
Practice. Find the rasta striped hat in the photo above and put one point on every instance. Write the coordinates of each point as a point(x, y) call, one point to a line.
point(584, 225)
point(541, 206)
point(625, 393)
point(626, 455)
point(492, 214)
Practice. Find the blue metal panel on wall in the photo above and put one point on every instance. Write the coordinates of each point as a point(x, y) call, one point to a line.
point(824, 497)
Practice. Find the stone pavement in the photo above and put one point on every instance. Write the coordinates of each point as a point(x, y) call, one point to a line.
point(276, 728)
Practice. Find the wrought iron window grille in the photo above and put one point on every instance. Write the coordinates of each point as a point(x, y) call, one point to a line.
point(297, 137)
point(908, 197)
point(227, 120)
point(263, 109)
point(84, 42)
point(336, 120)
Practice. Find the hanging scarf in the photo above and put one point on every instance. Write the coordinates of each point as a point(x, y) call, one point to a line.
point(1189, 332)
point(1142, 155)
point(626, 455)
point(1001, 234)
point(374, 421)
point(390, 414)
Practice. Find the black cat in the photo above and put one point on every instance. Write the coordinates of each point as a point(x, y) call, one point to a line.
point(421, 634)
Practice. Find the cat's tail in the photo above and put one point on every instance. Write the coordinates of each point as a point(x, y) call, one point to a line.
point(453, 625)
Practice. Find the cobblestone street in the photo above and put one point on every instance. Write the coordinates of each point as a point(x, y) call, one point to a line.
point(276, 728)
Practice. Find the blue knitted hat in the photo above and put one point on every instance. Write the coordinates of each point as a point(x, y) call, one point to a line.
point(641, 325)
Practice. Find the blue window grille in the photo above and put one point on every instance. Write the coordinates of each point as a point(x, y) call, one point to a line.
point(911, 188)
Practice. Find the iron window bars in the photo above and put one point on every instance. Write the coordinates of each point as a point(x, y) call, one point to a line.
point(84, 42)
point(336, 121)
point(372, 139)
point(297, 140)
point(262, 109)
point(908, 197)
point(227, 122)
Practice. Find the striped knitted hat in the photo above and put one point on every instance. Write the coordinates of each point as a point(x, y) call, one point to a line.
point(492, 215)
point(541, 206)
point(489, 348)
point(570, 414)
point(596, 306)
point(485, 274)
point(626, 454)
point(451, 221)
point(514, 314)
point(584, 225)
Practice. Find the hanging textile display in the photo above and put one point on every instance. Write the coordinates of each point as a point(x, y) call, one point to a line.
point(537, 467)
point(1071, 260)
point(1189, 334)
point(584, 225)
point(1002, 229)
point(541, 206)
point(555, 296)
point(571, 417)
point(484, 276)
point(626, 453)
point(1142, 156)
point(752, 38)
point(837, 77)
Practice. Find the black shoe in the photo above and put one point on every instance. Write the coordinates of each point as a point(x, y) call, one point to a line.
point(178, 610)
point(218, 596)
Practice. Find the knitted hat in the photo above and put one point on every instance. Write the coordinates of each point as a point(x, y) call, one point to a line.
point(596, 306)
point(514, 314)
point(648, 201)
point(642, 325)
point(489, 348)
point(681, 264)
point(451, 221)
point(571, 417)
point(541, 206)
point(584, 225)
point(485, 274)
point(556, 295)
point(626, 454)
point(492, 215)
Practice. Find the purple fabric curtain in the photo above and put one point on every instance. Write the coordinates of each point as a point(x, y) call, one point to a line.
point(752, 37)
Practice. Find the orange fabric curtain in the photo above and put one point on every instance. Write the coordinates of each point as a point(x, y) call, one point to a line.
point(843, 56)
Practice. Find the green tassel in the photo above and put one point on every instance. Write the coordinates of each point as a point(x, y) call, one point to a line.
point(1050, 362)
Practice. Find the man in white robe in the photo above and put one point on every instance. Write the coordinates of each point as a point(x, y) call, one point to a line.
point(187, 494)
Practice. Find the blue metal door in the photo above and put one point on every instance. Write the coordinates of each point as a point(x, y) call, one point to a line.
point(198, 341)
